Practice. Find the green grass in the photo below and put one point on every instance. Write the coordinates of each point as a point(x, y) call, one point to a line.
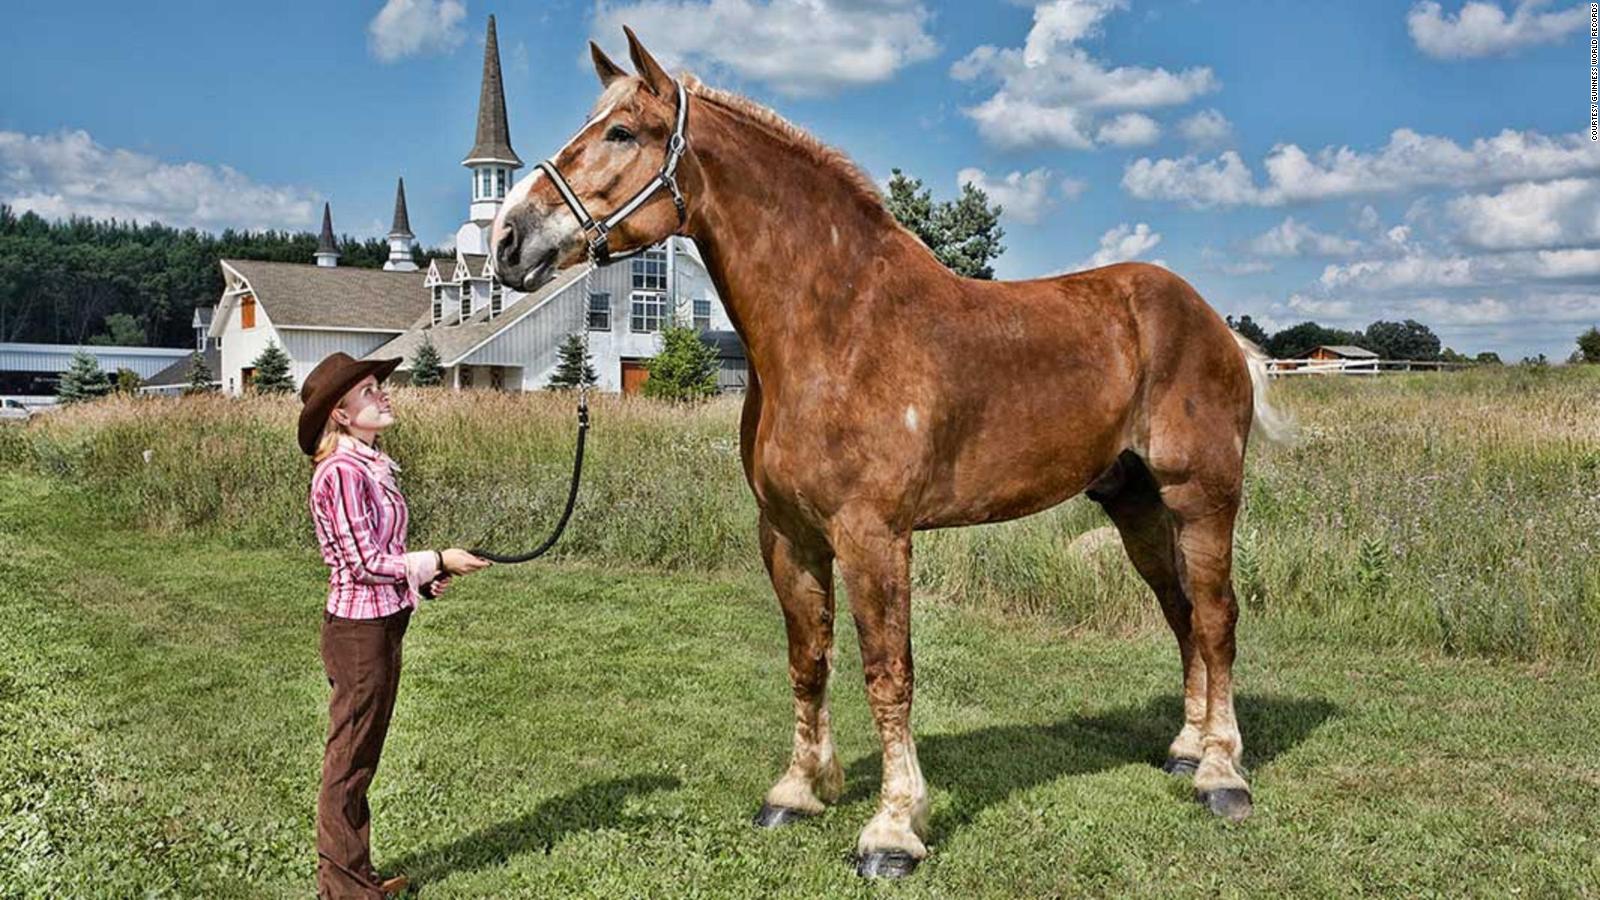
point(1454, 512)
point(587, 730)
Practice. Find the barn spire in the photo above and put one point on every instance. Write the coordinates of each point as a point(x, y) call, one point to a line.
point(327, 248)
point(400, 236)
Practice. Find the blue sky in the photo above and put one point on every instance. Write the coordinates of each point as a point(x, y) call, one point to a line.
point(1341, 162)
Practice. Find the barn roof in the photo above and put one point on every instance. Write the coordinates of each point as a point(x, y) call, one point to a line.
point(1348, 351)
point(299, 295)
point(454, 340)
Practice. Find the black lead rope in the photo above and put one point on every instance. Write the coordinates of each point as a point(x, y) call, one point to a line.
point(572, 499)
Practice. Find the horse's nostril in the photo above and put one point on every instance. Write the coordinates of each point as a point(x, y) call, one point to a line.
point(509, 248)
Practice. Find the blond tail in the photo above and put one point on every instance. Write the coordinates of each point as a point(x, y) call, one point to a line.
point(1267, 421)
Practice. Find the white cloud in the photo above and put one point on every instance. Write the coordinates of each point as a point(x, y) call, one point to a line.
point(794, 47)
point(1024, 197)
point(1206, 128)
point(1123, 243)
point(1073, 188)
point(1530, 215)
point(1129, 130)
point(1409, 160)
point(416, 28)
point(67, 174)
point(1427, 270)
point(1051, 89)
point(1292, 238)
point(1483, 29)
point(1336, 310)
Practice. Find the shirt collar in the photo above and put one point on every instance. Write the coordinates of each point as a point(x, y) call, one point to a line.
point(374, 458)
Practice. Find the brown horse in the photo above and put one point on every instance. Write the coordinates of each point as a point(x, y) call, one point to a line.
point(891, 395)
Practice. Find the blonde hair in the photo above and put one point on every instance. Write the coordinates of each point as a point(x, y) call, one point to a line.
point(328, 443)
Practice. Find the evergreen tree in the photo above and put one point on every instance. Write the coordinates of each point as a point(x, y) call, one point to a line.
point(574, 369)
point(1589, 345)
point(127, 382)
point(1249, 330)
point(200, 376)
point(685, 369)
point(83, 380)
point(964, 233)
point(272, 371)
point(426, 370)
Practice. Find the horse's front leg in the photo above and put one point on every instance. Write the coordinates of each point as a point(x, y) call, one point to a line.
point(876, 563)
point(802, 577)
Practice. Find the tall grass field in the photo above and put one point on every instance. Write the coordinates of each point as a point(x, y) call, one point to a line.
point(1455, 512)
point(1418, 690)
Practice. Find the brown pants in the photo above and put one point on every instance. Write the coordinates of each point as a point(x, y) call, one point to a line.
point(362, 659)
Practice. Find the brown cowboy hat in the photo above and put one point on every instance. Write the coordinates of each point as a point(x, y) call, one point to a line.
point(326, 386)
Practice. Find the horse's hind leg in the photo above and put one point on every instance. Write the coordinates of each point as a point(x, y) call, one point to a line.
point(802, 577)
point(1204, 509)
point(1149, 534)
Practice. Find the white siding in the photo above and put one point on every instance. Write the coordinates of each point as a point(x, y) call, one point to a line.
point(240, 346)
point(308, 347)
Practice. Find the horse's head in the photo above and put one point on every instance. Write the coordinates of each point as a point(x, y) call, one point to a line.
point(620, 151)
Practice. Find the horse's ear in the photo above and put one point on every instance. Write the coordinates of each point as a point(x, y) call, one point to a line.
point(655, 77)
point(604, 67)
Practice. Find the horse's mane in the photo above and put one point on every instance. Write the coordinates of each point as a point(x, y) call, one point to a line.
point(828, 157)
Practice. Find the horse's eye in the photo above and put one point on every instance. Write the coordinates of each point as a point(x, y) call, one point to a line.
point(619, 134)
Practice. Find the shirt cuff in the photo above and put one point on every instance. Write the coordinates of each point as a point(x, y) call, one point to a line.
point(422, 567)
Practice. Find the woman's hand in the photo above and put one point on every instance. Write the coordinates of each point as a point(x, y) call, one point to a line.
point(459, 562)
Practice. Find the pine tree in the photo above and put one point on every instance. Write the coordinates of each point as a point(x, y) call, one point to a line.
point(200, 376)
point(127, 381)
point(426, 370)
point(575, 367)
point(685, 369)
point(83, 379)
point(963, 233)
point(272, 371)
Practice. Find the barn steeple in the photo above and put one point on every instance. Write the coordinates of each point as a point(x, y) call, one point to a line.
point(327, 248)
point(400, 236)
point(491, 158)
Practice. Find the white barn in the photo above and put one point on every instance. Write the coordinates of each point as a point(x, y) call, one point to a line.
point(488, 335)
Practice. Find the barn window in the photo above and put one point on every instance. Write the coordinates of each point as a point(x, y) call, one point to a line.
point(466, 301)
point(702, 313)
point(599, 312)
point(438, 303)
point(648, 313)
point(247, 311)
point(650, 271)
point(496, 298)
point(499, 183)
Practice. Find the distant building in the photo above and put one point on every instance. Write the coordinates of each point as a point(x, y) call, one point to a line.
point(1337, 351)
point(489, 336)
point(176, 377)
point(34, 370)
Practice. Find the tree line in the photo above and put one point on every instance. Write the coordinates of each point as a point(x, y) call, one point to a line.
point(84, 280)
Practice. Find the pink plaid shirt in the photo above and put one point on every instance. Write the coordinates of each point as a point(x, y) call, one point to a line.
point(361, 518)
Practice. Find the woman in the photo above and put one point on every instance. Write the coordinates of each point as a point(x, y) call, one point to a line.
point(360, 519)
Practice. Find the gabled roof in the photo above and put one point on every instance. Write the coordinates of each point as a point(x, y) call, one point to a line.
point(494, 135)
point(1348, 351)
point(202, 316)
point(178, 372)
point(296, 295)
point(477, 264)
point(455, 341)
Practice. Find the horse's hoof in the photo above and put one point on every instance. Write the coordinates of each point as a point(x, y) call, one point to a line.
point(769, 816)
point(1180, 765)
point(886, 864)
point(1232, 804)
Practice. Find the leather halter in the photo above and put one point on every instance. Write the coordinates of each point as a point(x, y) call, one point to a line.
point(598, 230)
